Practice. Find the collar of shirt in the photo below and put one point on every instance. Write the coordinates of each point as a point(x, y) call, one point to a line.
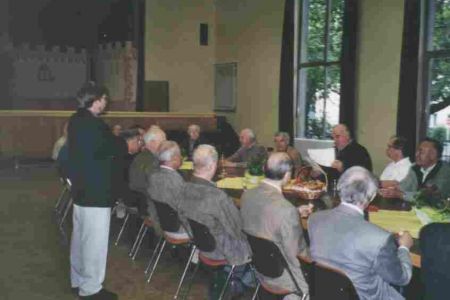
point(427, 171)
point(402, 161)
point(167, 167)
point(268, 182)
point(354, 207)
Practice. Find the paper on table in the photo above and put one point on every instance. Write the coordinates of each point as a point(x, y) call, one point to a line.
point(235, 183)
point(323, 157)
point(187, 165)
point(396, 221)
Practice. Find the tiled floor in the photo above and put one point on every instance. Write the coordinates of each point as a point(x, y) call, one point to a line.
point(34, 259)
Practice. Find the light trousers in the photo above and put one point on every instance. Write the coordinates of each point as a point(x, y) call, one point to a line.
point(89, 248)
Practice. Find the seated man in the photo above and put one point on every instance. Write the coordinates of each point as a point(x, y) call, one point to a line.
point(267, 214)
point(192, 141)
point(348, 152)
point(205, 203)
point(398, 168)
point(121, 165)
point(249, 149)
point(281, 140)
point(366, 253)
point(146, 161)
point(60, 142)
point(429, 177)
point(165, 184)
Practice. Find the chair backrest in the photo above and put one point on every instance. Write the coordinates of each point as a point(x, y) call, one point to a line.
point(266, 257)
point(435, 260)
point(168, 217)
point(202, 237)
point(329, 283)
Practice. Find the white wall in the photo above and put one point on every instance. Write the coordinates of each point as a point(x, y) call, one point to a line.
point(67, 70)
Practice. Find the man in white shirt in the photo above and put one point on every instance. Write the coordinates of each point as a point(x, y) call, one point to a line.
point(429, 177)
point(398, 168)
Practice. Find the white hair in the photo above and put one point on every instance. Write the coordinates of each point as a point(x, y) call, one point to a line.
point(154, 133)
point(251, 134)
point(167, 150)
point(357, 186)
point(204, 155)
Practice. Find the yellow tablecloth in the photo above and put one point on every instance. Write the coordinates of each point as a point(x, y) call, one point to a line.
point(235, 183)
point(395, 221)
point(187, 165)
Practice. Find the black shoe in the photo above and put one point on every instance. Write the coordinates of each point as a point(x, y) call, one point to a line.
point(74, 291)
point(101, 295)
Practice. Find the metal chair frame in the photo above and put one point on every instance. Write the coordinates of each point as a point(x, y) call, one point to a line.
point(204, 241)
point(275, 254)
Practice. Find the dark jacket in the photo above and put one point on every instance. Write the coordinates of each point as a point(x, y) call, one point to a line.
point(91, 149)
point(187, 149)
point(354, 155)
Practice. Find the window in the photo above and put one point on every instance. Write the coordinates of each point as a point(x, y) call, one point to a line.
point(437, 70)
point(319, 67)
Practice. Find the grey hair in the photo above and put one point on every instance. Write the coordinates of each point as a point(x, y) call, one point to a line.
point(153, 134)
point(251, 134)
point(167, 150)
point(357, 186)
point(204, 155)
point(278, 164)
point(284, 135)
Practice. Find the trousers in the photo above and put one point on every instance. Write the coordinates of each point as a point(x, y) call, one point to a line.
point(89, 248)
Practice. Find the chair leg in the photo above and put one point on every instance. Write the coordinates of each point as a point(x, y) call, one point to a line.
point(130, 254)
point(61, 197)
point(140, 243)
point(122, 229)
point(225, 285)
point(156, 261)
point(66, 212)
point(255, 295)
point(185, 271)
point(153, 255)
point(191, 281)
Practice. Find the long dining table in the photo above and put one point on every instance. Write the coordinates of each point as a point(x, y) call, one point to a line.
point(325, 202)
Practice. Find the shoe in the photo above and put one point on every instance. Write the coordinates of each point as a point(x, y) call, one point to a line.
point(74, 291)
point(101, 295)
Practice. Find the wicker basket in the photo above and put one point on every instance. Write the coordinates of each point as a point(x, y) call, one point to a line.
point(308, 194)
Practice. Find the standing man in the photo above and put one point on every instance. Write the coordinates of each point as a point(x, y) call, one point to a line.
point(91, 148)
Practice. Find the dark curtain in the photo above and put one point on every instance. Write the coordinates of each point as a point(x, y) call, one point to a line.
point(139, 43)
point(286, 91)
point(348, 65)
point(407, 108)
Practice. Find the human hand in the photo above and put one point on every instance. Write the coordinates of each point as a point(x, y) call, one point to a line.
point(405, 239)
point(338, 165)
point(305, 210)
point(390, 193)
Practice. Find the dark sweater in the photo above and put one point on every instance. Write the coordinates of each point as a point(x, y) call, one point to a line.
point(91, 149)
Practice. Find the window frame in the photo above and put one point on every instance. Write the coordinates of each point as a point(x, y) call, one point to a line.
point(301, 27)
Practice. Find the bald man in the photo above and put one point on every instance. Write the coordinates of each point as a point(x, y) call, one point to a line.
point(205, 203)
point(266, 213)
point(249, 149)
point(348, 152)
